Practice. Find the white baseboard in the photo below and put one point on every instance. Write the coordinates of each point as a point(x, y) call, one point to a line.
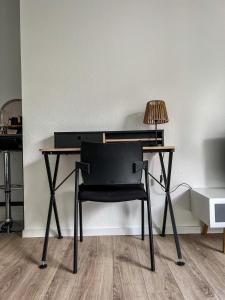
point(97, 231)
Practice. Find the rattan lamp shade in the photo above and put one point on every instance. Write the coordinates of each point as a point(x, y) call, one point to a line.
point(155, 112)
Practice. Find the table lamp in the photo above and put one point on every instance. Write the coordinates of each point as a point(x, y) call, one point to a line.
point(155, 113)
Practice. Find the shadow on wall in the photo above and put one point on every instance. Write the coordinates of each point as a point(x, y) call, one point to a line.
point(48, 142)
point(181, 198)
point(214, 156)
point(35, 211)
point(182, 201)
point(135, 122)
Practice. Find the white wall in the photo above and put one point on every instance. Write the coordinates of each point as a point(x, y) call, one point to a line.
point(10, 85)
point(92, 65)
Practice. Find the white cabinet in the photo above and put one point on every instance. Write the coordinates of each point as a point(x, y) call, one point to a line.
point(208, 205)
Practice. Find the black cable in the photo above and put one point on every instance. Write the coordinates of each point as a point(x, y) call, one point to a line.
point(179, 185)
point(161, 175)
point(58, 186)
point(174, 188)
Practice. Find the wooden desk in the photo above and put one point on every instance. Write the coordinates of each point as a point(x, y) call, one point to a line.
point(150, 149)
point(74, 151)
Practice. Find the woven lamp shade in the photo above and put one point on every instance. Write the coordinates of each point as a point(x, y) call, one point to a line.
point(155, 112)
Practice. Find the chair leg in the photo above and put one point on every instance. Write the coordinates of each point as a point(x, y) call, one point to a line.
point(223, 240)
point(75, 240)
point(142, 220)
point(151, 243)
point(81, 221)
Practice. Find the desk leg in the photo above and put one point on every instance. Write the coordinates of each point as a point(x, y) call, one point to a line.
point(52, 204)
point(163, 233)
point(53, 193)
point(166, 201)
point(167, 180)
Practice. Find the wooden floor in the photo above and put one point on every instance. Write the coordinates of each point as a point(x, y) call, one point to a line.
point(112, 268)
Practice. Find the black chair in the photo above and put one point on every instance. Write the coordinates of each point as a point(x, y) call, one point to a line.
point(111, 173)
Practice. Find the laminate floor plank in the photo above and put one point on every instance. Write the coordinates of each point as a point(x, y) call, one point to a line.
point(5, 239)
point(208, 263)
point(63, 280)
point(112, 268)
point(214, 245)
point(161, 284)
point(128, 278)
point(5, 242)
point(29, 287)
point(96, 282)
point(12, 246)
point(65, 284)
point(213, 242)
point(101, 287)
point(192, 283)
point(15, 267)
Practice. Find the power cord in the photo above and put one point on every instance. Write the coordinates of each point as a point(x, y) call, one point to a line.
point(173, 188)
point(176, 186)
point(179, 185)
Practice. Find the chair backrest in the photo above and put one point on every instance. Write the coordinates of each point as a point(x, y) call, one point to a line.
point(112, 163)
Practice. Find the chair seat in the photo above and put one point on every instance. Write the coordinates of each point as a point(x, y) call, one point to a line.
point(115, 193)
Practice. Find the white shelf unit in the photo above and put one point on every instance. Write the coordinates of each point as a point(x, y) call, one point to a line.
point(208, 204)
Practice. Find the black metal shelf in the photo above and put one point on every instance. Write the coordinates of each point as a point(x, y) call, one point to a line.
point(13, 203)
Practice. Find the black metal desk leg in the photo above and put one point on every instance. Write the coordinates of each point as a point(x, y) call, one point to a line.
point(166, 202)
point(149, 213)
point(43, 263)
point(180, 261)
point(52, 204)
point(54, 201)
point(163, 233)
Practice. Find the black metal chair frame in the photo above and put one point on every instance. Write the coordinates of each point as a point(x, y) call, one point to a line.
point(142, 165)
point(52, 178)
